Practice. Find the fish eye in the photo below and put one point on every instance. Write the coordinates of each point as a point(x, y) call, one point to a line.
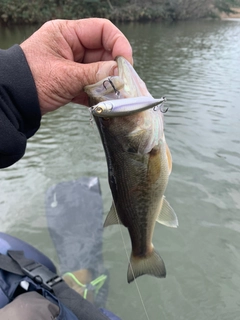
point(132, 150)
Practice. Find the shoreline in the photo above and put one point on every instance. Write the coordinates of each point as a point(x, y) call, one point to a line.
point(236, 15)
point(216, 15)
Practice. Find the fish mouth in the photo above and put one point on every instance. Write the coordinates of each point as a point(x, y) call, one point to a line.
point(133, 84)
point(127, 84)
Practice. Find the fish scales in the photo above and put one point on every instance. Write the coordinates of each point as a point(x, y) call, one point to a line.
point(139, 164)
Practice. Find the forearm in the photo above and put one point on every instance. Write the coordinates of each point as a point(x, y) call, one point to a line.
point(19, 107)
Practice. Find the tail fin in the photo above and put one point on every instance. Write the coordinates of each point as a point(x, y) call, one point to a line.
point(153, 265)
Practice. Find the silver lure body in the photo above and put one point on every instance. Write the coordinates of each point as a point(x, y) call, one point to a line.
point(124, 107)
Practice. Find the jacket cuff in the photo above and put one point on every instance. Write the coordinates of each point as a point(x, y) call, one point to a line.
point(20, 90)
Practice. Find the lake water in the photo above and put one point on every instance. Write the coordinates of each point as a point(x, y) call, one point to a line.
point(196, 65)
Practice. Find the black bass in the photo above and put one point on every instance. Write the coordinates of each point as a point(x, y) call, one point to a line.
point(139, 165)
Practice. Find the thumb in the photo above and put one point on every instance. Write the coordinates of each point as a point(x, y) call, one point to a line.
point(93, 72)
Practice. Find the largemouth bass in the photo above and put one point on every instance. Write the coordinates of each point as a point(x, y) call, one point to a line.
point(139, 164)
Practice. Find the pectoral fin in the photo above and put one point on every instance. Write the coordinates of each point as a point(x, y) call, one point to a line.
point(167, 216)
point(112, 217)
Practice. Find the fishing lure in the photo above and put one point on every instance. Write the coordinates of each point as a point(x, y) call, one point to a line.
point(128, 106)
point(117, 92)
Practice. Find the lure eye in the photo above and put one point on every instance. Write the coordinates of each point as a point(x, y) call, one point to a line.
point(99, 109)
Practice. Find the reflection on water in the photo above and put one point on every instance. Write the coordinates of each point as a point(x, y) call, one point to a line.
point(197, 66)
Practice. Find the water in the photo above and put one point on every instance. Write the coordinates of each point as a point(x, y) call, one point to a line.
point(197, 66)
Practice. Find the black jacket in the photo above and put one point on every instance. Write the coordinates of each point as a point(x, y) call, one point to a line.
point(20, 114)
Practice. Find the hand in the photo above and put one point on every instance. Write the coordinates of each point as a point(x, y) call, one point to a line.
point(66, 55)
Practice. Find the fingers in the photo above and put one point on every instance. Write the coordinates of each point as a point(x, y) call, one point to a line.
point(67, 81)
point(92, 73)
point(81, 75)
point(66, 55)
point(98, 71)
point(98, 36)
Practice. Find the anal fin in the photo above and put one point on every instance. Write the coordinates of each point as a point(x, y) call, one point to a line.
point(167, 216)
point(112, 217)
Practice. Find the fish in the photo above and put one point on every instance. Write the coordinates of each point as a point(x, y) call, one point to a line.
point(139, 164)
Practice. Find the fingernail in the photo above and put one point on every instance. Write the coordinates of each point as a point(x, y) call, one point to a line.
point(106, 69)
point(115, 71)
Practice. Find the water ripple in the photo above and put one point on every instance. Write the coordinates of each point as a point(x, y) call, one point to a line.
point(196, 65)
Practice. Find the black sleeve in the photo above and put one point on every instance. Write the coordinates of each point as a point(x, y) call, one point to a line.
point(20, 114)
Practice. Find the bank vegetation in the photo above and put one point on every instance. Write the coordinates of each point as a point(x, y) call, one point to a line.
point(39, 11)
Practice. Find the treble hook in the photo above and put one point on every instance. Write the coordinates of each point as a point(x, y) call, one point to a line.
point(111, 83)
point(161, 107)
